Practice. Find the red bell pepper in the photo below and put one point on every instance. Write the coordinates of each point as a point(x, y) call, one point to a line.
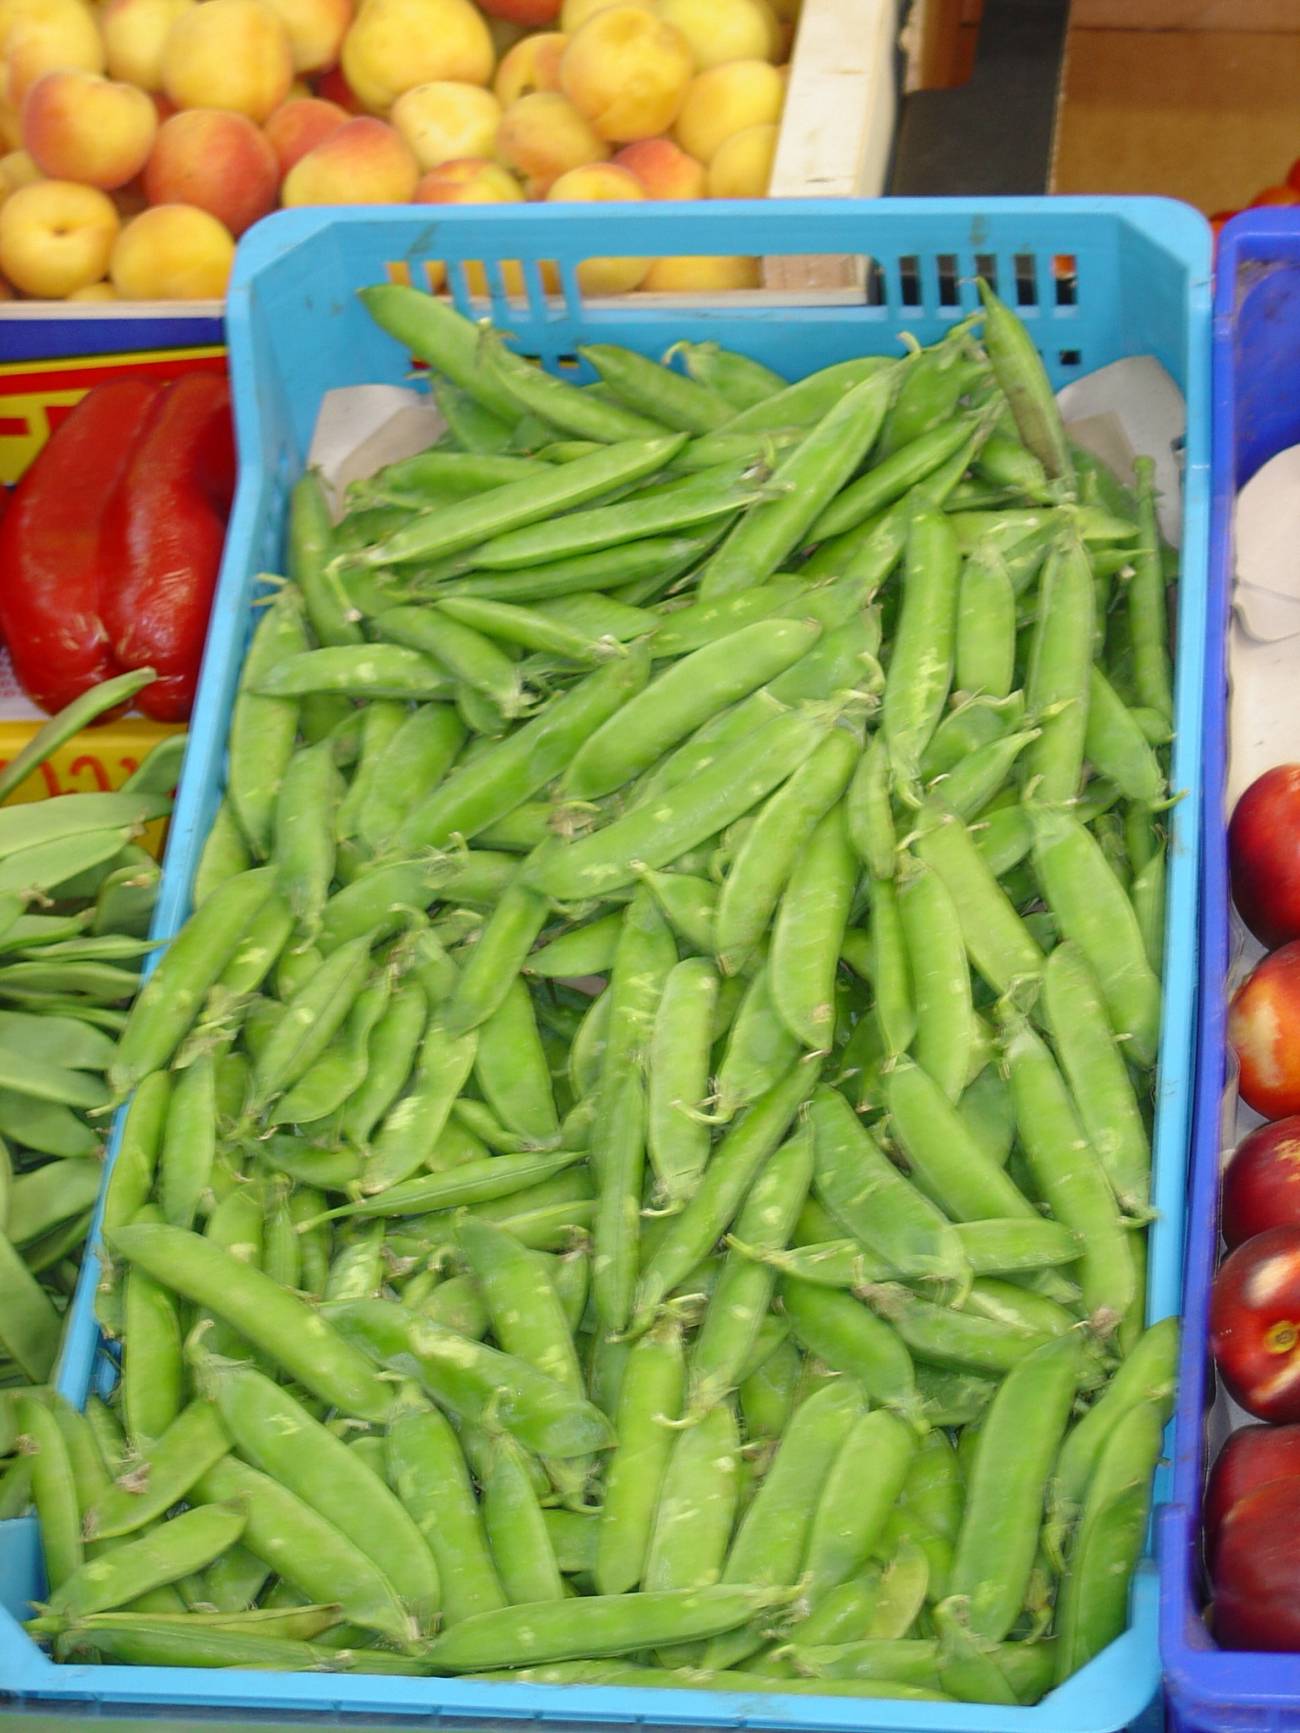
point(52, 555)
point(163, 535)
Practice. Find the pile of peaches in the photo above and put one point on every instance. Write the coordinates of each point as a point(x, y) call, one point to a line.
point(142, 137)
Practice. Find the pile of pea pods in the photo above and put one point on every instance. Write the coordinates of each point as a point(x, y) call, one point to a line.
point(636, 1169)
point(77, 891)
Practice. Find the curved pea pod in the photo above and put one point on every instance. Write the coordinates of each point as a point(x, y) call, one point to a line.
point(394, 1043)
point(470, 1182)
point(945, 1159)
point(940, 975)
point(511, 1066)
point(868, 810)
point(427, 1470)
point(476, 1383)
point(921, 667)
point(650, 1397)
point(52, 1489)
point(309, 1020)
point(810, 923)
point(1091, 907)
point(1116, 745)
point(696, 1508)
point(194, 1442)
point(851, 1339)
point(503, 777)
point(688, 903)
point(677, 1132)
point(1148, 614)
point(583, 950)
point(416, 759)
point(1058, 682)
point(171, 1551)
point(277, 1322)
point(1020, 373)
point(1000, 946)
point(945, 1337)
point(439, 335)
point(516, 1529)
point(1018, 1442)
point(527, 1317)
point(864, 1480)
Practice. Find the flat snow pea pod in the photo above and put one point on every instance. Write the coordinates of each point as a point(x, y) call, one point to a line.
point(194, 1442)
point(868, 811)
point(226, 851)
point(891, 971)
point(596, 1625)
point(310, 1019)
point(427, 1471)
point(544, 495)
point(165, 1554)
point(523, 1307)
point(695, 1512)
point(69, 721)
point(365, 671)
point(1069, 1174)
point(720, 492)
point(804, 482)
point(1116, 745)
point(650, 1399)
point(50, 866)
point(649, 559)
point(690, 628)
point(759, 1050)
point(688, 903)
point(945, 1160)
point(940, 977)
point(501, 778)
point(663, 830)
point(1098, 1077)
point(308, 1551)
point(469, 656)
point(999, 944)
point(687, 694)
point(879, 1207)
point(529, 628)
point(1148, 616)
point(585, 950)
point(677, 1132)
point(1018, 1441)
point(810, 925)
point(168, 1003)
point(734, 1165)
point(276, 1435)
point(42, 1197)
point(280, 1324)
point(474, 1383)
point(657, 391)
point(310, 544)
point(1090, 906)
point(516, 1529)
point(921, 667)
point(511, 1066)
point(1019, 371)
point(771, 1542)
point(865, 1478)
point(968, 788)
point(945, 1337)
point(1058, 682)
point(618, 1161)
point(986, 626)
point(32, 825)
point(895, 475)
point(418, 756)
point(770, 854)
point(743, 1294)
point(53, 1490)
point(498, 955)
point(738, 379)
point(852, 1340)
point(435, 332)
point(471, 1182)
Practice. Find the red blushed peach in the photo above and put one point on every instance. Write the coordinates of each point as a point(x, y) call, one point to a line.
point(172, 253)
point(1264, 1033)
point(134, 33)
point(364, 163)
point(602, 182)
point(80, 127)
point(299, 126)
point(53, 36)
point(533, 64)
point(663, 169)
point(475, 181)
point(627, 71)
point(542, 136)
point(215, 160)
point(228, 54)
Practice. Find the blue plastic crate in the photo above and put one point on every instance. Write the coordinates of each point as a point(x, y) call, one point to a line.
point(1256, 414)
point(1096, 280)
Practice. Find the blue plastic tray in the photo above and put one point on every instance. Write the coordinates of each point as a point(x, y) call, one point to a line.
point(1256, 398)
point(1096, 280)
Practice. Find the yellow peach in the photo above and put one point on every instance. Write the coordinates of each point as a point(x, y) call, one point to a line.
point(366, 162)
point(316, 30)
point(706, 273)
point(663, 169)
point(742, 164)
point(533, 64)
point(475, 181)
point(726, 99)
point(627, 72)
point(173, 253)
point(542, 136)
point(228, 54)
point(394, 45)
point(62, 37)
point(575, 13)
point(56, 236)
point(17, 170)
point(444, 121)
point(299, 125)
point(95, 292)
point(134, 34)
point(719, 30)
point(216, 160)
point(81, 127)
point(603, 182)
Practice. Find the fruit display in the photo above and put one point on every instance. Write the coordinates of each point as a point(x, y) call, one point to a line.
point(141, 138)
point(77, 891)
point(636, 1168)
point(110, 547)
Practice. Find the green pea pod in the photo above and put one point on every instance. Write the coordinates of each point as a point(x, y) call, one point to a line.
point(1022, 377)
point(921, 668)
point(649, 1401)
point(852, 1340)
point(262, 729)
point(864, 1480)
point(195, 1442)
point(164, 1555)
point(677, 1131)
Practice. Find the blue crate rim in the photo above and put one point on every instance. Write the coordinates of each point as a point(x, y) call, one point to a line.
point(1095, 1698)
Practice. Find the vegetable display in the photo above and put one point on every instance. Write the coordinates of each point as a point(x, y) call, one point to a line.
point(636, 1168)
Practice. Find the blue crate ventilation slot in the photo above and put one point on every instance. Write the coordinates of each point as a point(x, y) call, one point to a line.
point(1095, 280)
point(1256, 414)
